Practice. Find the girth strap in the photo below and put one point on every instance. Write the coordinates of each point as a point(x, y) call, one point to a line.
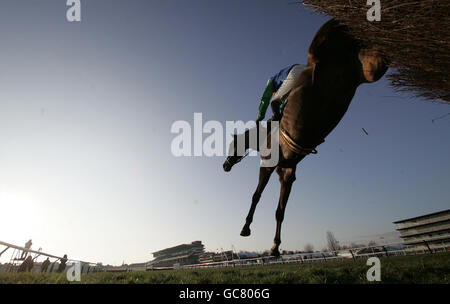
point(293, 146)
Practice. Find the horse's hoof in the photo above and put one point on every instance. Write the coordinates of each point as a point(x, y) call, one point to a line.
point(226, 167)
point(228, 164)
point(231, 161)
point(275, 252)
point(245, 231)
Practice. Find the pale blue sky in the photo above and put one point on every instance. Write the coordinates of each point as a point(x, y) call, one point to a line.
point(85, 116)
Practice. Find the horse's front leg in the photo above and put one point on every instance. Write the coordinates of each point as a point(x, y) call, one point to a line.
point(264, 176)
point(287, 178)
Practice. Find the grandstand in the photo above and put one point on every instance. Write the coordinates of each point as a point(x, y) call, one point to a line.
point(184, 254)
point(427, 231)
point(210, 257)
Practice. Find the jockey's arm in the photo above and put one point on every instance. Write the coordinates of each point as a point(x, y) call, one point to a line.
point(265, 99)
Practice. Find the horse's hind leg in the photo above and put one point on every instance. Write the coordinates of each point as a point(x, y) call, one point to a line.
point(264, 176)
point(287, 178)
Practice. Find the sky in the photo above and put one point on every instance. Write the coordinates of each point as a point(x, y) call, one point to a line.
point(86, 110)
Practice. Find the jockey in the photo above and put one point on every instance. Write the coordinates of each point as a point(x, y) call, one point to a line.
point(277, 89)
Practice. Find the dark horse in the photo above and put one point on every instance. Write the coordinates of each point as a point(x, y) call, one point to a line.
point(337, 64)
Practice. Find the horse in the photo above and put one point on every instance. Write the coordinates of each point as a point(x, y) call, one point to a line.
point(337, 64)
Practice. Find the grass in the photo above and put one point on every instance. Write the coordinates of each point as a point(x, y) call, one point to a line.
point(418, 269)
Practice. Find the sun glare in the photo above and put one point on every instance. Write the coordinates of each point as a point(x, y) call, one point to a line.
point(20, 217)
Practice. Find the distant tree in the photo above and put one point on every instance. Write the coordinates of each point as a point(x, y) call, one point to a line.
point(309, 248)
point(333, 244)
point(372, 243)
point(356, 245)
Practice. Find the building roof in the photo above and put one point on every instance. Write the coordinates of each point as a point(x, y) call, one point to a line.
point(423, 216)
point(179, 247)
point(423, 225)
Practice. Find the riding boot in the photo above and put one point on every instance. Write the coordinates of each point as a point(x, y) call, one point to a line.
point(276, 109)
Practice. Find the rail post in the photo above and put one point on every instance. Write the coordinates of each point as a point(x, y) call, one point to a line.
point(429, 249)
point(353, 256)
